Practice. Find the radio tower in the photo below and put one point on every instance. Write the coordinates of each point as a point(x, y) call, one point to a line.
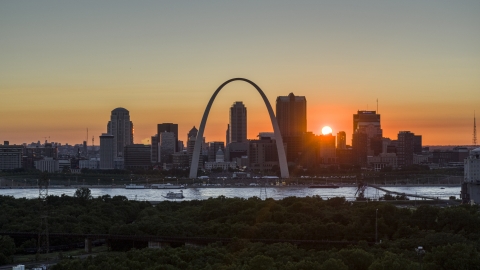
point(43, 244)
point(474, 130)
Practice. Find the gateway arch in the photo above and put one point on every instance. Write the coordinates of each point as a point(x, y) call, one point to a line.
point(282, 159)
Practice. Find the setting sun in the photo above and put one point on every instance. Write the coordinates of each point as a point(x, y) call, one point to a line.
point(326, 130)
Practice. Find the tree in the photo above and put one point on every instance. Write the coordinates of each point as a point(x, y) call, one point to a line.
point(83, 193)
point(7, 249)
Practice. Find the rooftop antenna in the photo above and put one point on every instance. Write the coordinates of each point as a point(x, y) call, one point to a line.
point(377, 105)
point(474, 130)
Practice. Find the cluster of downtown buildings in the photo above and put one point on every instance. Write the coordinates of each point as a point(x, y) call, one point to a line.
point(304, 149)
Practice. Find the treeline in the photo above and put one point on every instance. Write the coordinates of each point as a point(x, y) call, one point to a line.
point(452, 230)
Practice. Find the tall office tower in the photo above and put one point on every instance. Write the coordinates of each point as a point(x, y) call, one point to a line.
point(154, 148)
point(341, 140)
point(169, 127)
point(238, 123)
point(405, 148)
point(107, 143)
point(227, 135)
point(417, 144)
point(121, 128)
point(167, 146)
point(291, 114)
point(191, 139)
point(367, 135)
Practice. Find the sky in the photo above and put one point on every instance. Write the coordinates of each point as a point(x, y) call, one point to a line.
point(65, 65)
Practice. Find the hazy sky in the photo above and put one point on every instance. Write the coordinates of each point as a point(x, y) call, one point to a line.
point(65, 65)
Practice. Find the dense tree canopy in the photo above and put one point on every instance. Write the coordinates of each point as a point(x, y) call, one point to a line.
point(441, 231)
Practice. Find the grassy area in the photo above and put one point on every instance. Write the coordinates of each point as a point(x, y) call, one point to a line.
point(30, 258)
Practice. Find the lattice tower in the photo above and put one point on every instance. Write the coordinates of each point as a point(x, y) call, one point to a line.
point(43, 243)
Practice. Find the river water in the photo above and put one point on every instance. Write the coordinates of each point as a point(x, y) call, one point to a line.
point(275, 192)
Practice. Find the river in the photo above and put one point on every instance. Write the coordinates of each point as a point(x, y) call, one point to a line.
point(275, 192)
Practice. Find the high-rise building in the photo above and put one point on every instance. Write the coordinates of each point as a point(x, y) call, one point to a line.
point(107, 142)
point(367, 136)
point(291, 114)
point(154, 149)
point(238, 123)
point(121, 128)
point(341, 140)
point(405, 147)
point(167, 144)
point(169, 127)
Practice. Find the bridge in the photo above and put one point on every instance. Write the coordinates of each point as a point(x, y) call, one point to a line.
point(402, 193)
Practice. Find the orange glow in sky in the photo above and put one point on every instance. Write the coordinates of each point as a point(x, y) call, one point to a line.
point(65, 66)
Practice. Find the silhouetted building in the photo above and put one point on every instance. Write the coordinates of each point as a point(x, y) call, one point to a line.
point(238, 123)
point(167, 146)
point(262, 154)
point(107, 153)
point(327, 149)
point(169, 127)
point(341, 140)
point(192, 138)
point(154, 149)
point(455, 155)
point(121, 128)
point(137, 156)
point(405, 143)
point(32, 154)
point(291, 114)
point(417, 144)
point(10, 156)
point(367, 136)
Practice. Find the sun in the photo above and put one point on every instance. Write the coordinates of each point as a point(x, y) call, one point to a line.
point(326, 130)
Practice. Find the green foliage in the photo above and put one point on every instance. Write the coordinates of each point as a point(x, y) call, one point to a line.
point(440, 231)
point(7, 249)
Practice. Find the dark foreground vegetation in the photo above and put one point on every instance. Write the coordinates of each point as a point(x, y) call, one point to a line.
point(450, 236)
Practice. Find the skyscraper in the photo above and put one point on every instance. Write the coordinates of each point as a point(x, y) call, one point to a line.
point(169, 127)
point(121, 128)
point(167, 146)
point(291, 114)
point(405, 148)
point(238, 123)
point(107, 142)
point(341, 140)
point(367, 135)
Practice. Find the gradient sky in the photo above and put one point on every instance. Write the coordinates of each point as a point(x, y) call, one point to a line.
point(65, 65)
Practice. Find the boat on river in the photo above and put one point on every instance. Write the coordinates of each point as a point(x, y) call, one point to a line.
point(134, 186)
point(167, 186)
point(174, 195)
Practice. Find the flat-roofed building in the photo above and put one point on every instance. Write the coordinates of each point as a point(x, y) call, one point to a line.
point(10, 156)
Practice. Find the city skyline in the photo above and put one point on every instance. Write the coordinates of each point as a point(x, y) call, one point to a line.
point(64, 61)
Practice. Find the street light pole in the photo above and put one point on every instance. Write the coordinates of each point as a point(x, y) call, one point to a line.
point(376, 225)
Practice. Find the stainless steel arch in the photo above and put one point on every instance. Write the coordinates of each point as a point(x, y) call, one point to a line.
point(282, 159)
